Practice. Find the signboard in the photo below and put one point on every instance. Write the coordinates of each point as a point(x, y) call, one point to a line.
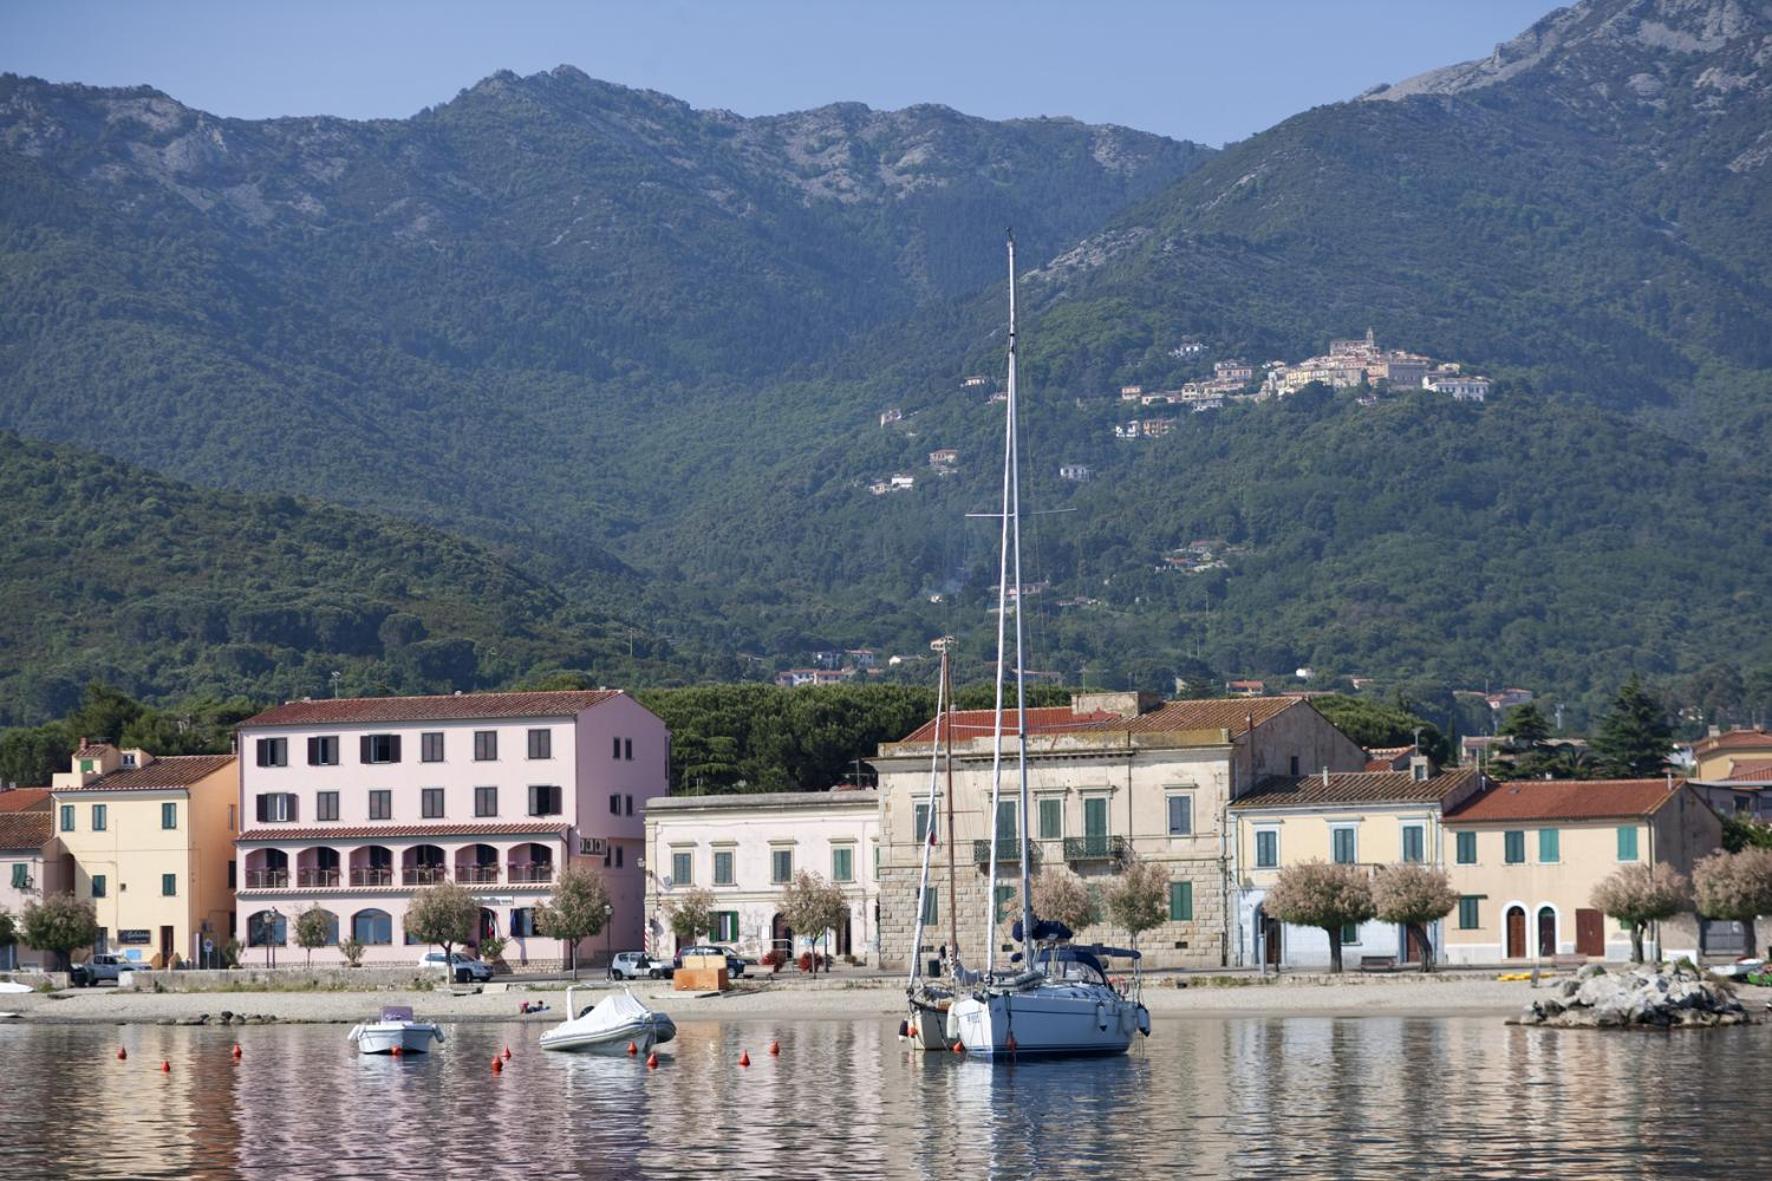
point(209, 947)
point(134, 936)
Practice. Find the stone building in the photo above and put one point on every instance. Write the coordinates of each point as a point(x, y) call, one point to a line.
point(1112, 777)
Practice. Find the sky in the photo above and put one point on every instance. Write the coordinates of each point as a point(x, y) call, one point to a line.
point(1206, 70)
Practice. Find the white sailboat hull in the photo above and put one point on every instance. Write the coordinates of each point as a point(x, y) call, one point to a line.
point(1048, 1019)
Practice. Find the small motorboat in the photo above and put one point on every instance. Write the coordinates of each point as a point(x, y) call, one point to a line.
point(395, 1033)
point(609, 1026)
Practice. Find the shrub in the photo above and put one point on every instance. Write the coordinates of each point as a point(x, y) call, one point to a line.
point(352, 950)
point(1638, 895)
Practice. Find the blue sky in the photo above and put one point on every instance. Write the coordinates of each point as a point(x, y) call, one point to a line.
point(1208, 70)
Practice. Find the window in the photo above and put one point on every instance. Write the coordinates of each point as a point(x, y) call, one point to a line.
point(618, 855)
point(323, 752)
point(265, 929)
point(615, 805)
point(98, 885)
point(486, 801)
point(21, 875)
point(627, 749)
point(381, 805)
point(722, 869)
point(1414, 843)
point(781, 865)
point(430, 803)
point(1514, 847)
point(843, 864)
point(1467, 848)
point(629, 801)
point(1467, 913)
point(67, 818)
point(379, 748)
point(1004, 896)
point(1095, 818)
point(485, 746)
point(922, 823)
point(1549, 846)
point(682, 867)
point(1267, 849)
point(1342, 845)
point(169, 885)
point(168, 815)
point(1294, 766)
point(523, 922)
point(1627, 842)
point(1051, 819)
point(931, 906)
point(233, 875)
point(1350, 933)
point(1181, 816)
point(723, 926)
point(273, 752)
point(326, 805)
point(100, 817)
point(615, 753)
point(541, 744)
point(430, 747)
point(545, 800)
point(1181, 902)
point(372, 927)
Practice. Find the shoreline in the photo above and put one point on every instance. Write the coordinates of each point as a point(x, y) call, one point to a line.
point(1304, 996)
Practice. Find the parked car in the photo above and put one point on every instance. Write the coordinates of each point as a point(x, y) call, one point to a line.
point(462, 968)
point(632, 965)
point(99, 968)
point(735, 963)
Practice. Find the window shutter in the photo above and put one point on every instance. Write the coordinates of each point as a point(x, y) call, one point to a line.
point(264, 752)
point(363, 749)
point(261, 808)
point(394, 749)
point(293, 802)
point(313, 752)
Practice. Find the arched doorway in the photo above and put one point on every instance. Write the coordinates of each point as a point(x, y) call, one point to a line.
point(781, 936)
point(1516, 932)
point(1547, 931)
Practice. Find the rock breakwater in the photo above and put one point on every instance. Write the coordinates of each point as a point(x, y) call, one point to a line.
point(1654, 997)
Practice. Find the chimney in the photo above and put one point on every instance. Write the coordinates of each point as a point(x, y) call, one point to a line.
point(1325, 774)
point(1125, 705)
point(1420, 769)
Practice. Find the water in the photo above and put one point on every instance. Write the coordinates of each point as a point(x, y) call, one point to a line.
point(1243, 1097)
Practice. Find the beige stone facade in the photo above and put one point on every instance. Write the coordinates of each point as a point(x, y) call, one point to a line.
point(1112, 777)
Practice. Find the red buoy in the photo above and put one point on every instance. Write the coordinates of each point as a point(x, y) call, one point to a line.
point(122, 1054)
point(498, 1064)
point(165, 1066)
point(652, 1060)
point(775, 1049)
point(236, 1051)
point(958, 1048)
point(632, 1049)
point(396, 1051)
point(744, 1058)
point(507, 1051)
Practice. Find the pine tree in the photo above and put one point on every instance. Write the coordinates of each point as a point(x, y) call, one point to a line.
point(1634, 737)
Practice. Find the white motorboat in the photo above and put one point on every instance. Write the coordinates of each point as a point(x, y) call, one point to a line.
point(610, 1026)
point(396, 1032)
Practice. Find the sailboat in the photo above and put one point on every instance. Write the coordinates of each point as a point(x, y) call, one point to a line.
point(1060, 1000)
point(929, 1001)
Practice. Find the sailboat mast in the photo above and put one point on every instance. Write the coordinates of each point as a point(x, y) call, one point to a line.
point(929, 835)
point(947, 677)
point(990, 909)
point(1021, 698)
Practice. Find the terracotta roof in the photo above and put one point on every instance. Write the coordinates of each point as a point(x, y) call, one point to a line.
point(1357, 787)
point(1750, 773)
point(1236, 715)
point(976, 723)
point(93, 750)
point(24, 799)
point(172, 771)
point(25, 830)
point(1566, 799)
point(1731, 740)
point(440, 708)
point(358, 832)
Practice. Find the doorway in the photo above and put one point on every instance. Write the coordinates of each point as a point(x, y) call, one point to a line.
point(781, 936)
point(1267, 939)
point(1547, 932)
point(166, 947)
point(1590, 932)
point(1516, 932)
point(844, 938)
point(1414, 946)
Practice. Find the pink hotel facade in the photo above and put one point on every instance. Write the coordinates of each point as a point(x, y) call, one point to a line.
point(354, 805)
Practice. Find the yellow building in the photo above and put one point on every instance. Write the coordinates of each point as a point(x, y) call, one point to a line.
point(151, 843)
point(1721, 755)
point(1528, 854)
point(1372, 819)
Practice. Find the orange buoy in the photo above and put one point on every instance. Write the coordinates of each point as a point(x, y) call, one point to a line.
point(236, 1050)
point(396, 1051)
point(913, 1032)
point(632, 1049)
point(498, 1064)
point(507, 1051)
point(775, 1049)
point(744, 1058)
point(958, 1048)
point(652, 1060)
point(122, 1054)
point(165, 1066)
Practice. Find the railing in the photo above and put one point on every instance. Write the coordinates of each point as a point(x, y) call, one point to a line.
point(530, 874)
point(425, 875)
point(1008, 851)
point(267, 879)
point(1099, 848)
point(316, 878)
point(372, 877)
point(476, 874)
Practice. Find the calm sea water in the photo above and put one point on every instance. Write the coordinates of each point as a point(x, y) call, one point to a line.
point(1241, 1097)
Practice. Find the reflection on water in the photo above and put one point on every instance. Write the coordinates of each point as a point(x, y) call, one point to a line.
point(1299, 1097)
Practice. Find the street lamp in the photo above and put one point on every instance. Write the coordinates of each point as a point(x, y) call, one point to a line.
point(271, 937)
point(608, 939)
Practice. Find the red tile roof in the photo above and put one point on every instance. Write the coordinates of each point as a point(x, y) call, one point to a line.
point(1237, 716)
point(172, 771)
point(976, 723)
point(358, 832)
point(24, 830)
point(93, 750)
point(1363, 787)
point(1750, 773)
point(1732, 739)
point(454, 706)
point(1567, 799)
point(24, 799)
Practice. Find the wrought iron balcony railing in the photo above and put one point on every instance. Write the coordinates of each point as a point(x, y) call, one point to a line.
point(1008, 851)
point(1097, 848)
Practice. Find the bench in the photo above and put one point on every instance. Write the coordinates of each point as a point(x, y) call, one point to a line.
point(1378, 963)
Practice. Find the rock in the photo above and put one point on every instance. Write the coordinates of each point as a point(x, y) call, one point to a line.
point(1645, 997)
point(1589, 971)
point(227, 1015)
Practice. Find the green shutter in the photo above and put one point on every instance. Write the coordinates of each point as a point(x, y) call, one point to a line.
point(1467, 913)
point(1181, 902)
point(931, 906)
point(1627, 842)
point(1051, 819)
point(1095, 817)
point(1515, 843)
point(1467, 848)
point(1549, 849)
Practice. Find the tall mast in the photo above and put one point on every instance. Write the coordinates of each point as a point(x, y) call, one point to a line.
point(929, 836)
point(1021, 698)
point(947, 677)
point(990, 909)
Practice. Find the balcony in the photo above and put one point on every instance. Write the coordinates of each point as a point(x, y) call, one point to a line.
point(424, 875)
point(1097, 848)
point(316, 879)
point(372, 877)
point(1008, 852)
point(267, 879)
point(477, 875)
point(530, 875)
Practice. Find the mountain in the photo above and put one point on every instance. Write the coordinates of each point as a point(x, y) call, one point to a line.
point(114, 573)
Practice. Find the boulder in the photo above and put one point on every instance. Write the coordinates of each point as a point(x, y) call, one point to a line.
point(1647, 997)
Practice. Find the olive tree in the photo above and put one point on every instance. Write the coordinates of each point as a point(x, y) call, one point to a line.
point(60, 923)
point(1735, 886)
point(1063, 897)
point(1637, 895)
point(812, 906)
point(1137, 901)
point(1315, 894)
point(1414, 896)
point(444, 914)
point(577, 909)
point(691, 913)
point(314, 927)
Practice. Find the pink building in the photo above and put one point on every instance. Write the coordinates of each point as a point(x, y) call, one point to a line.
point(353, 805)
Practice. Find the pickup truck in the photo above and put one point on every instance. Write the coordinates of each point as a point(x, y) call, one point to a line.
point(99, 967)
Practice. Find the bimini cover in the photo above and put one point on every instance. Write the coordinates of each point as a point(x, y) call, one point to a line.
point(1045, 930)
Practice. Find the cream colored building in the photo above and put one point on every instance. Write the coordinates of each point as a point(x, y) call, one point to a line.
point(1113, 777)
point(1373, 819)
point(1526, 855)
point(744, 848)
point(1721, 755)
point(150, 842)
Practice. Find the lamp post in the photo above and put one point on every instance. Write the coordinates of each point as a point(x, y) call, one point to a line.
point(608, 939)
point(271, 936)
